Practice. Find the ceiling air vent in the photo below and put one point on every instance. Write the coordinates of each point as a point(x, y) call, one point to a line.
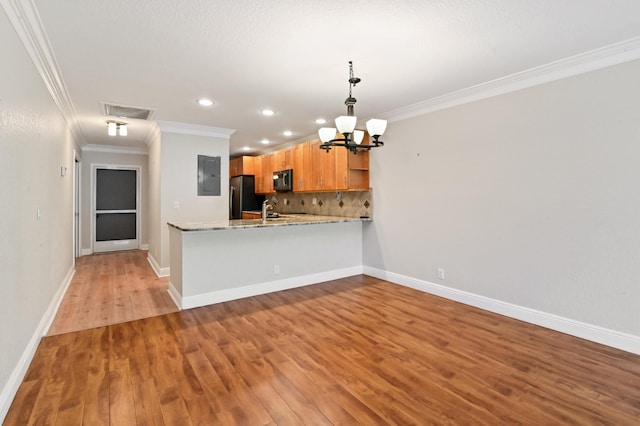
point(128, 111)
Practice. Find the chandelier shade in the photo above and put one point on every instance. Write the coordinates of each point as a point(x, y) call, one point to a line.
point(376, 127)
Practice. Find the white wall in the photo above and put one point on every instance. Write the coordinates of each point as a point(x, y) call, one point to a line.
point(530, 198)
point(173, 167)
point(153, 192)
point(36, 256)
point(91, 157)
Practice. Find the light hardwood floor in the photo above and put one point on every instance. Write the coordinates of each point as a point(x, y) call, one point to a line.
point(352, 351)
point(110, 288)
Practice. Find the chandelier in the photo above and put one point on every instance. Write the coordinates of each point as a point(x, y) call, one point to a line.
point(346, 126)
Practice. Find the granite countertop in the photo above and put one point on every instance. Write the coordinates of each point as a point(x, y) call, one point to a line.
point(282, 220)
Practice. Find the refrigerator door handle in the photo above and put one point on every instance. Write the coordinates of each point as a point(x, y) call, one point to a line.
point(232, 190)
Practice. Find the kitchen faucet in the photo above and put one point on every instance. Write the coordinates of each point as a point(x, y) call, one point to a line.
point(265, 207)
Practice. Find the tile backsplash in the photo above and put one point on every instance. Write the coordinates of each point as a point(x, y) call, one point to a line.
point(345, 204)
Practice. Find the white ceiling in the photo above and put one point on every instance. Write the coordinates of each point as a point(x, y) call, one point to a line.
point(292, 55)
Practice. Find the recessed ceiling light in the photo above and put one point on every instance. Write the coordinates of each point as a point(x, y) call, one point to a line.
point(205, 102)
point(246, 148)
point(268, 112)
point(320, 121)
point(265, 141)
point(287, 133)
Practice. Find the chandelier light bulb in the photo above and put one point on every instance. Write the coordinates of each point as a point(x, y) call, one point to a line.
point(111, 128)
point(122, 130)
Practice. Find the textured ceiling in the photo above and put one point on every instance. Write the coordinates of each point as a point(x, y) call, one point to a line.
point(292, 55)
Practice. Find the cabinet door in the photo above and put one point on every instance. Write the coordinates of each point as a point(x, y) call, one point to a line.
point(316, 165)
point(257, 166)
point(328, 180)
point(234, 166)
point(323, 167)
point(342, 168)
point(268, 161)
point(301, 165)
point(248, 165)
point(284, 159)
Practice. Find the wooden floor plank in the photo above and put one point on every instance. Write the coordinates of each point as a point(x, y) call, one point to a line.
point(110, 288)
point(352, 351)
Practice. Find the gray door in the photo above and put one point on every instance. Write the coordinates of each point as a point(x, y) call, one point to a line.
point(116, 209)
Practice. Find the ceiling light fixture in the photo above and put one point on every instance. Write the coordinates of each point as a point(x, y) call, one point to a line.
point(320, 121)
point(268, 112)
point(352, 139)
point(265, 141)
point(111, 128)
point(287, 133)
point(115, 127)
point(205, 102)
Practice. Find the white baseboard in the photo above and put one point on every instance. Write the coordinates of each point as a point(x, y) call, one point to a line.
point(86, 252)
point(266, 287)
point(144, 247)
point(160, 272)
point(604, 336)
point(17, 375)
point(175, 295)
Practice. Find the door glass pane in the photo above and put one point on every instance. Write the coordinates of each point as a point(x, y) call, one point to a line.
point(115, 226)
point(115, 189)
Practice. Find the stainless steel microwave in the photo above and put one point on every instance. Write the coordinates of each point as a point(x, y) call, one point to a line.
point(283, 180)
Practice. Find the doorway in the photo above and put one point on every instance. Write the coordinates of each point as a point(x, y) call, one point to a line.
point(116, 208)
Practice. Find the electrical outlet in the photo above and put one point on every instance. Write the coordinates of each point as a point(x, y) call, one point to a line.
point(441, 273)
point(276, 269)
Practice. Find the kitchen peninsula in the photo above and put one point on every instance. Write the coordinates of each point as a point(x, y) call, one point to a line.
point(221, 261)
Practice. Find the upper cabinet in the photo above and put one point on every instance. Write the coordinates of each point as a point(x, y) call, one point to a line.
point(323, 167)
point(301, 167)
point(264, 181)
point(284, 159)
point(242, 166)
point(314, 169)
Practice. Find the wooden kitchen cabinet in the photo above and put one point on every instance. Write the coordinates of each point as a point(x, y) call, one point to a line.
point(267, 168)
point(358, 170)
point(283, 159)
point(323, 167)
point(301, 167)
point(248, 215)
point(242, 166)
point(314, 169)
point(339, 169)
point(257, 167)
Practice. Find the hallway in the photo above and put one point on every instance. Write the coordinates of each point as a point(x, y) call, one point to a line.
point(111, 288)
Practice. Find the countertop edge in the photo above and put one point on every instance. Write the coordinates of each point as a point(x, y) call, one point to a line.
point(257, 223)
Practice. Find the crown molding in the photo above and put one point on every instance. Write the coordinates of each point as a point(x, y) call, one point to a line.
point(115, 149)
point(194, 129)
point(614, 54)
point(25, 19)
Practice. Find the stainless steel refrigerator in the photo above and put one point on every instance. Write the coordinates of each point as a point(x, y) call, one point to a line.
point(242, 196)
